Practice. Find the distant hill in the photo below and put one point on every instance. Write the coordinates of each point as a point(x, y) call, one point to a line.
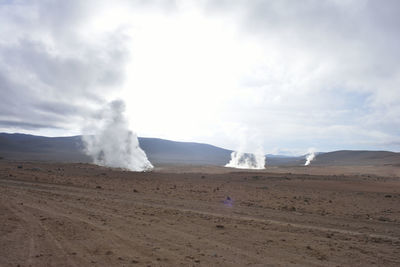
point(31, 147)
point(70, 149)
point(357, 157)
point(166, 151)
point(160, 151)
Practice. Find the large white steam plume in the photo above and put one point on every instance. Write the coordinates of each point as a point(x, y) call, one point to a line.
point(242, 160)
point(310, 157)
point(113, 144)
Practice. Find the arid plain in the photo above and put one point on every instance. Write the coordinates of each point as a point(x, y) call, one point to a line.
point(54, 214)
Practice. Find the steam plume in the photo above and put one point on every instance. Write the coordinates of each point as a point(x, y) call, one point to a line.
point(310, 157)
point(113, 144)
point(242, 160)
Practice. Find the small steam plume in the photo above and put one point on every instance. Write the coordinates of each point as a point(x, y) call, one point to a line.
point(310, 157)
point(113, 144)
point(242, 160)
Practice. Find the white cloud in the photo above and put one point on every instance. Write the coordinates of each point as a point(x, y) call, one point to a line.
point(239, 74)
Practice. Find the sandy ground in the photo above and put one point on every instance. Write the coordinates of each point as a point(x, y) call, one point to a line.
point(83, 215)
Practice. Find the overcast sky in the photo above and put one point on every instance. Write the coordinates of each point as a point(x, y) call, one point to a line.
point(277, 76)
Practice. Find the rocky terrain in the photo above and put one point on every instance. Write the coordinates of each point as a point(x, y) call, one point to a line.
point(59, 214)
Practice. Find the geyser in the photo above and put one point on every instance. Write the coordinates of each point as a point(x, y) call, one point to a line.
point(113, 143)
point(242, 160)
point(310, 157)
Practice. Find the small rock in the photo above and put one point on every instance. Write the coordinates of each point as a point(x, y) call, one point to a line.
point(220, 226)
point(322, 258)
point(388, 196)
point(383, 219)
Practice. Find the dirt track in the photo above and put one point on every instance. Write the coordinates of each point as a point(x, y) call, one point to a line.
point(83, 215)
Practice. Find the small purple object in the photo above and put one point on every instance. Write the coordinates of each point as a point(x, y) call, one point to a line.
point(228, 201)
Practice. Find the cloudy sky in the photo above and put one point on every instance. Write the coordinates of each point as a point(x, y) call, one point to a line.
point(277, 76)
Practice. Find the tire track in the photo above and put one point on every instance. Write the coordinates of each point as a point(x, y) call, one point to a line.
point(51, 188)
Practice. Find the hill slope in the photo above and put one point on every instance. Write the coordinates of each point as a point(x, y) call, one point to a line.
point(357, 157)
point(70, 149)
point(31, 147)
point(160, 151)
point(166, 151)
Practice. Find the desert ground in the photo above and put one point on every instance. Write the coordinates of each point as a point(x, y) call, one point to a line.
point(54, 214)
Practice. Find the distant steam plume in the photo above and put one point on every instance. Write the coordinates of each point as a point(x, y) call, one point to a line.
point(310, 157)
point(242, 160)
point(113, 144)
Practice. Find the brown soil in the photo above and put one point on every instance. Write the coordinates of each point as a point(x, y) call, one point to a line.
point(84, 215)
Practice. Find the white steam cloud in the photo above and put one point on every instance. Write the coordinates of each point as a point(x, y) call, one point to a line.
point(310, 157)
point(242, 160)
point(113, 144)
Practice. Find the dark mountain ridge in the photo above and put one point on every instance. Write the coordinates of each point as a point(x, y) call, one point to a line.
point(159, 151)
point(357, 157)
point(70, 149)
